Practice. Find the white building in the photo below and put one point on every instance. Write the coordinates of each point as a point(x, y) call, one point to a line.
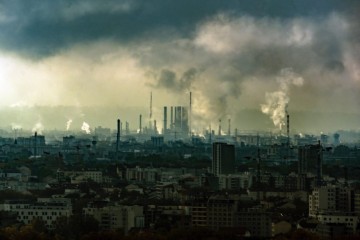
point(116, 216)
point(235, 181)
point(139, 174)
point(80, 176)
point(45, 209)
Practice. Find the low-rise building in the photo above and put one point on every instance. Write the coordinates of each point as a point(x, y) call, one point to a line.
point(46, 209)
point(116, 217)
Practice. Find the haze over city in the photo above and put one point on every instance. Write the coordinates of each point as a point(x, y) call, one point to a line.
point(94, 62)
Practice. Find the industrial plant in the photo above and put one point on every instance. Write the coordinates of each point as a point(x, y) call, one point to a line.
point(157, 178)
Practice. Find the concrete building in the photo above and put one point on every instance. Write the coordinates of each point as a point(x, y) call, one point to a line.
point(199, 214)
point(45, 209)
point(348, 220)
point(223, 158)
point(310, 159)
point(228, 211)
point(256, 221)
point(235, 181)
point(221, 211)
point(80, 176)
point(115, 217)
point(138, 174)
point(328, 199)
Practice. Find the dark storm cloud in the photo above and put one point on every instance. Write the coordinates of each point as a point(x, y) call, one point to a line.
point(41, 28)
point(169, 80)
point(228, 53)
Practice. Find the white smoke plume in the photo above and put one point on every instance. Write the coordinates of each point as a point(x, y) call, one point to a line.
point(15, 126)
point(38, 127)
point(86, 127)
point(276, 102)
point(68, 124)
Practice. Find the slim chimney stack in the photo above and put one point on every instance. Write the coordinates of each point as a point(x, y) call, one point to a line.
point(171, 117)
point(229, 129)
point(219, 127)
point(140, 124)
point(165, 120)
point(118, 135)
point(190, 114)
point(35, 144)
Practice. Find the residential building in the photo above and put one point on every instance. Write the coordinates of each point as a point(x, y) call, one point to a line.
point(223, 158)
point(115, 217)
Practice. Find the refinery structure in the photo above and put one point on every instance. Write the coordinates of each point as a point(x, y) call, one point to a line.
point(134, 177)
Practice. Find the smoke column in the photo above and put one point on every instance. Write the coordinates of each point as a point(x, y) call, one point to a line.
point(38, 128)
point(86, 127)
point(276, 102)
point(68, 124)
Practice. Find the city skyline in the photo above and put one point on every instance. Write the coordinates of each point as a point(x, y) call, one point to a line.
point(237, 58)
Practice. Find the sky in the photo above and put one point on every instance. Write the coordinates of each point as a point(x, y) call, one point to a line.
point(244, 60)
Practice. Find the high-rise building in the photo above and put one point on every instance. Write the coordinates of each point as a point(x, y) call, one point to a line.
point(223, 161)
point(308, 158)
point(309, 161)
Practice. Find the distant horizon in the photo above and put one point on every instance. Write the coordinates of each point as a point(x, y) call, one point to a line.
point(56, 118)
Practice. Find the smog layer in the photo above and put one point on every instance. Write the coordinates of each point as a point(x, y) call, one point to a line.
point(75, 65)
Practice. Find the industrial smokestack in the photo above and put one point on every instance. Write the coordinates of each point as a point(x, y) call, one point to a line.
point(150, 114)
point(118, 135)
point(210, 132)
point(219, 127)
point(287, 133)
point(229, 128)
point(171, 117)
point(288, 128)
point(236, 132)
point(190, 114)
point(155, 127)
point(165, 119)
point(140, 124)
point(35, 144)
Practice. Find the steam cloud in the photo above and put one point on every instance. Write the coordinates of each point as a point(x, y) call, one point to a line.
point(15, 126)
point(276, 102)
point(219, 53)
point(86, 127)
point(38, 127)
point(68, 124)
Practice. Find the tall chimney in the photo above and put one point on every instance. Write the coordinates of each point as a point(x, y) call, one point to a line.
point(219, 127)
point(35, 144)
point(140, 124)
point(155, 127)
point(210, 132)
point(171, 117)
point(288, 128)
point(150, 114)
point(118, 135)
point(165, 120)
point(190, 113)
point(229, 129)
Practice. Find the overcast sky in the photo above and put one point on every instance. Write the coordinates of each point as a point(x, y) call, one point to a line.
point(233, 55)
